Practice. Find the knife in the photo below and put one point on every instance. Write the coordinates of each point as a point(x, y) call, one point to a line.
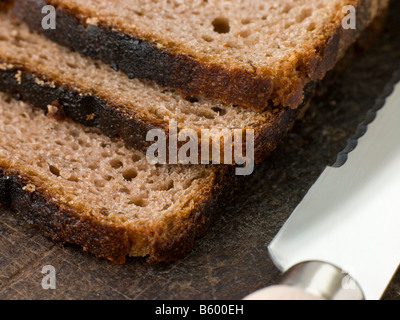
point(343, 240)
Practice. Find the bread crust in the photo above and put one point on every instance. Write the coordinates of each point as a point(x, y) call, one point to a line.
point(142, 58)
point(158, 243)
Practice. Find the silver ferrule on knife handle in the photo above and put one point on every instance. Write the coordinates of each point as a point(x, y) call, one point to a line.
point(323, 280)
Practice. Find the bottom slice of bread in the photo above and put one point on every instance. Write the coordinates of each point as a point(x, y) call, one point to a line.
point(81, 187)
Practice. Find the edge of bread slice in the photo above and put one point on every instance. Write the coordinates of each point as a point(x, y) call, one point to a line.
point(142, 54)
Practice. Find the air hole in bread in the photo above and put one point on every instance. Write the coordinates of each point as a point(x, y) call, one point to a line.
point(104, 144)
point(116, 163)
point(218, 110)
point(54, 170)
point(105, 154)
point(93, 166)
point(221, 25)
point(233, 44)
point(245, 33)
point(60, 143)
point(139, 202)
point(207, 38)
point(81, 142)
point(192, 99)
point(311, 26)
point(207, 114)
point(125, 190)
point(136, 158)
point(73, 178)
point(107, 177)
point(246, 21)
point(130, 174)
point(99, 183)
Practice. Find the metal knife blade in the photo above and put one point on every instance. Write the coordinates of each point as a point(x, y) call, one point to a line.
point(350, 218)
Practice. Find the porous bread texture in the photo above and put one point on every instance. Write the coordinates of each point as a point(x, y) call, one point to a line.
point(279, 40)
point(249, 34)
point(54, 65)
point(78, 169)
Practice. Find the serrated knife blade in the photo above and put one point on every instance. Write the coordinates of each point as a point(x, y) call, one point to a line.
point(350, 218)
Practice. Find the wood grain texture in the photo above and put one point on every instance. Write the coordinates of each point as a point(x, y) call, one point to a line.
point(232, 260)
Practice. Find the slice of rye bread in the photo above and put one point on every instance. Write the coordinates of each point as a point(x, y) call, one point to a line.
point(81, 187)
point(249, 53)
point(40, 71)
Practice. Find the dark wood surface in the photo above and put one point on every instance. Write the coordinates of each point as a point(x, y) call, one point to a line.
point(232, 259)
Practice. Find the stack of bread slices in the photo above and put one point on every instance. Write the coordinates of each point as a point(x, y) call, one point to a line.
point(80, 97)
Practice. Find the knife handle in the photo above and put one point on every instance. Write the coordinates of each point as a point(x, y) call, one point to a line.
point(312, 281)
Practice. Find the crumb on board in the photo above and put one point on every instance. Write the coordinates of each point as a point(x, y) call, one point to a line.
point(90, 116)
point(30, 188)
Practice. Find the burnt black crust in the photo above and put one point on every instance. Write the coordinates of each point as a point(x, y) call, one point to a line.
point(139, 58)
point(66, 225)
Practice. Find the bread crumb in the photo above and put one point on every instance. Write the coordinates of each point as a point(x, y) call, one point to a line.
point(56, 111)
point(52, 109)
point(90, 116)
point(18, 76)
point(93, 21)
point(30, 188)
point(39, 82)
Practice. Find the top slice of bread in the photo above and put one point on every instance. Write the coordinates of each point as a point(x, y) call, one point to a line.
point(249, 53)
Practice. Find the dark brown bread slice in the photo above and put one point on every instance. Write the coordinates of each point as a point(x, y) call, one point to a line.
point(37, 70)
point(81, 187)
point(298, 42)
